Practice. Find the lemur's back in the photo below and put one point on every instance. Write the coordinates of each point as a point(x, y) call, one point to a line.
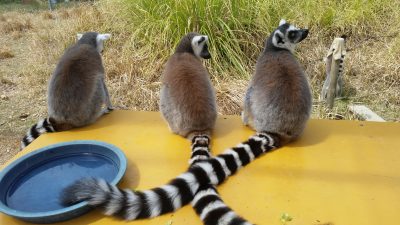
point(75, 83)
point(282, 92)
point(191, 92)
point(278, 99)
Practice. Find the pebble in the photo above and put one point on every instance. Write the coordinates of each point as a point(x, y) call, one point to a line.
point(4, 97)
point(23, 115)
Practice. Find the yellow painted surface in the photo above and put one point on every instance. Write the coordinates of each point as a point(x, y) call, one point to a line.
point(339, 172)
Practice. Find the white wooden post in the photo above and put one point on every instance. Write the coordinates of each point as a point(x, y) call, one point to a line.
point(333, 84)
point(50, 4)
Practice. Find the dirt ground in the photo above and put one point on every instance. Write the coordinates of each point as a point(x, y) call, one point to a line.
point(13, 122)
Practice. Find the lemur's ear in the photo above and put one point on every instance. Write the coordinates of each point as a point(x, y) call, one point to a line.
point(283, 21)
point(104, 37)
point(79, 36)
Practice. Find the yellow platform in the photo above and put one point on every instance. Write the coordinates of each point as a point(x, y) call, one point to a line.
point(338, 173)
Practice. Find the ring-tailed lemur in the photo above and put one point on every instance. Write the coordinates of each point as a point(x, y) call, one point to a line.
point(188, 104)
point(279, 99)
point(178, 192)
point(76, 91)
point(187, 98)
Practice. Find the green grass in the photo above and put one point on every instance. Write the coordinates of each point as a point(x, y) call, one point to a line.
point(161, 24)
point(238, 28)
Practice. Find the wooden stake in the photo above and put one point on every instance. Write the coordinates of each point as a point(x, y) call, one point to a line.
point(337, 50)
point(332, 85)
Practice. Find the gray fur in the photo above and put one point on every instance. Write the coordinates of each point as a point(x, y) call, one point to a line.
point(279, 99)
point(76, 91)
point(187, 98)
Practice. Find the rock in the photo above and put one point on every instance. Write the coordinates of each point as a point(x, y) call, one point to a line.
point(4, 97)
point(23, 115)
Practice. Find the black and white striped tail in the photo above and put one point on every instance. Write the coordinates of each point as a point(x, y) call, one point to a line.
point(207, 203)
point(178, 192)
point(200, 148)
point(212, 209)
point(341, 62)
point(43, 126)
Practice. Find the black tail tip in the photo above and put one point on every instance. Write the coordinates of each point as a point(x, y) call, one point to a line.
point(68, 195)
point(77, 192)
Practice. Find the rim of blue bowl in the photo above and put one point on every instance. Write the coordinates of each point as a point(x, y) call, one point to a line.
point(20, 214)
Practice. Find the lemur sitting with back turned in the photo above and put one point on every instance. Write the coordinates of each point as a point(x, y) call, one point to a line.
point(187, 98)
point(76, 91)
point(278, 101)
point(188, 101)
point(282, 88)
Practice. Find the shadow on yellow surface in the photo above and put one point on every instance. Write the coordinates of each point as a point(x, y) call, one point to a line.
point(338, 172)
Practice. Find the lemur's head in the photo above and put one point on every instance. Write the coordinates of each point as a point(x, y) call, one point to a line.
point(286, 36)
point(196, 44)
point(94, 39)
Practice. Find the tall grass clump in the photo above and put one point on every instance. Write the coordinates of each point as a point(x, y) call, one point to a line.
point(231, 26)
point(238, 28)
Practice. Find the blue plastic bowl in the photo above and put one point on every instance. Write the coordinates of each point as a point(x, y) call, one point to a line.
point(31, 185)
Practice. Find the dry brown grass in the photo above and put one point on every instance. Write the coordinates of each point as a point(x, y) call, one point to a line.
point(372, 71)
point(63, 14)
point(12, 23)
point(5, 54)
point(48, 15)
